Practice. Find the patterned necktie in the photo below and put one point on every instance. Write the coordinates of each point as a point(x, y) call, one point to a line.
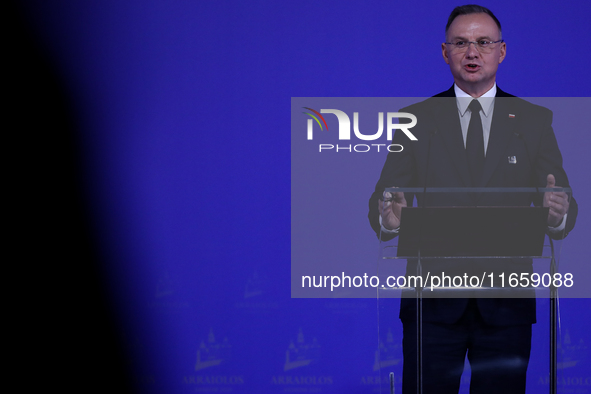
point(475, 144)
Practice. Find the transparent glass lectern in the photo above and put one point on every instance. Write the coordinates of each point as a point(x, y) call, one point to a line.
point(468, 243)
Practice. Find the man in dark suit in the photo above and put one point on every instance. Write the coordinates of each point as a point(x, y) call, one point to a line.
point(473, 135)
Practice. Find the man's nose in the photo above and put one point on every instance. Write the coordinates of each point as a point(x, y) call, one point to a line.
point(472, 51)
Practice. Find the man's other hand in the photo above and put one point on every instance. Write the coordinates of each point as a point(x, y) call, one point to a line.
point(390, 208)
point(556, 201)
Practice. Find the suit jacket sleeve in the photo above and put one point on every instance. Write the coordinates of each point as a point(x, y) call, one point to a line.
point(548, 160)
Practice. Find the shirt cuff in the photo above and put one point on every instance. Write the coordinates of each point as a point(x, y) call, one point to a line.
point(397, 229)
point(555, 230)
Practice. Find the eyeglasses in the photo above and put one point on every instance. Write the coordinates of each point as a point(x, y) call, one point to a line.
point(483, 46)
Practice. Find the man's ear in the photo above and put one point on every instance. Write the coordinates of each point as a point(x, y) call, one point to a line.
point(444, 53)
point(503, 52)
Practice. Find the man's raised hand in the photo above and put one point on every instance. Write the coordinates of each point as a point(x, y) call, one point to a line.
point(556, 201)
point(390, 208)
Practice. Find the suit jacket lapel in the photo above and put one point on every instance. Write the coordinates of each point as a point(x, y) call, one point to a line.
point(501, 131)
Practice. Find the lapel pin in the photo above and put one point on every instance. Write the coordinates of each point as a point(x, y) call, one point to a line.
point(512, 159)
point(511, 115)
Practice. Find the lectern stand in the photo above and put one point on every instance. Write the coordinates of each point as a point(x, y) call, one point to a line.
point(469, 243)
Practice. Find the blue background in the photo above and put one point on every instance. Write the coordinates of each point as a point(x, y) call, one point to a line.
point(163, 154)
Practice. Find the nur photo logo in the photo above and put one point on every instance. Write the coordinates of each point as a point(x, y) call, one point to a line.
point(344, 130)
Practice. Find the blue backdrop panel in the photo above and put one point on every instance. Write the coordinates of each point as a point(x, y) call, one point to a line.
point(182, 110)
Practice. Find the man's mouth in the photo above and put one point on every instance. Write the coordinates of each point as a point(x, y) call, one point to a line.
point(471, 67)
